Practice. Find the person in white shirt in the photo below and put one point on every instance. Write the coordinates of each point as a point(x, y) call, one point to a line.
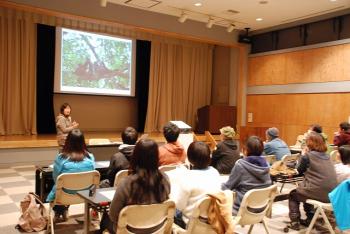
point(343, 169)
point(190, 186)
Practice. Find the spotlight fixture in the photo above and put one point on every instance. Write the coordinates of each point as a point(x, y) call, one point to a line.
point(103, 3)
point(198, 4)
point(210, 22)
point(259, 19)
point(183, 17)
point(230, 28)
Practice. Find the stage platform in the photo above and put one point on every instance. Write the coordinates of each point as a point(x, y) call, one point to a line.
point(49, 140)
point(42, 149)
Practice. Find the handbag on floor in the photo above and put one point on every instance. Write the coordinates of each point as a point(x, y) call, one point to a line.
point(33, 214)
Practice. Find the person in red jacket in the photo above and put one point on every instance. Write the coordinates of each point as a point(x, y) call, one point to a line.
point(173, 151)
point(343, 136)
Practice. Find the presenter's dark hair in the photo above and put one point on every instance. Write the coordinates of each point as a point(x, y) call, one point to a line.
point(171, 132)
point(344, 153)
point(198, 155)
point(64, 106)
point(344, 126)
point(148, 180)
point(254, 146)
point(129, 136)
point(74, 146)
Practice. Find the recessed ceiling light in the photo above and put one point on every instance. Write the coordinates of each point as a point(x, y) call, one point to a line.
point(258, 19)
point(333, 0)
point(198, 4)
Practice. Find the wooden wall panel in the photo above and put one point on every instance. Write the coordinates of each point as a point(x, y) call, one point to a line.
point(266, 70)
point(324, 64)
point(346, 61)
point(293, 113)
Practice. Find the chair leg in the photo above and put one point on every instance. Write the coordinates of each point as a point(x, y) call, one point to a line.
point(250, 228)
point(313, 221)
point(328, 224)
point(282, 187)
point(265, 226)
point(50, 224)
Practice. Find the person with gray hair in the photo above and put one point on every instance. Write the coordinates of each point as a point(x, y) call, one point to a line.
point(274, 145)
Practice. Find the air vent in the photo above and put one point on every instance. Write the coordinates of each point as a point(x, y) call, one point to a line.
point(143, 3)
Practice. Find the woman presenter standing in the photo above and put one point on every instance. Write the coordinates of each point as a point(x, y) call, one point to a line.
point(64, 124)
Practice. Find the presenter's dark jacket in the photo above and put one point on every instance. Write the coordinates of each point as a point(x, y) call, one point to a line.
point(225, 156)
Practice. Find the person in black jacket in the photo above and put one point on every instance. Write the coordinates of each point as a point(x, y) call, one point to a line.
point(227, 152)
point(121, 160)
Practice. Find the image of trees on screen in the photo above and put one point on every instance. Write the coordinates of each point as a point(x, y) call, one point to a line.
point(95, 63)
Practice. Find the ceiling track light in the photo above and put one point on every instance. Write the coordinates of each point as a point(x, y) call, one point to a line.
point(210, 22)
point(230, 28)
point(103, 3)
point(183, 17)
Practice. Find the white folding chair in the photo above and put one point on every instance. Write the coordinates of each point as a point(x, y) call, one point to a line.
point(75, 182)
point(154, 218)
point(320, 207)
point(119, 176)
point(198, 223)
point(254, 207)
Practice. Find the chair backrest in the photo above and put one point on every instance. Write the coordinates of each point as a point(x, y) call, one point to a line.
point(270, 159)
point(290, 160)
point(198, 223)
point(119, 176)
point(74, 182)
point(154, 218)
point(99, 141)
point(333, 155)
point(165, 168)
point(255, 204)
point(299, 141)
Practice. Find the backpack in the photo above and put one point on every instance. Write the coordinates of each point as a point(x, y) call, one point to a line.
point(33, 214)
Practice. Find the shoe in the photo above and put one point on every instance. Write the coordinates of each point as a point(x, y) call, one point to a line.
point(305, 222)
point(57, 218)
point(294, 226)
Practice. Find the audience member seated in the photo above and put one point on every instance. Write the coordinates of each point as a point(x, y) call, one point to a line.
point(192, 185)
point(274, 145)
point(121, 160)
point(74, 158)
point(251, 172)
point(227, 152)
point(319, 179)
point(172, 152)
point(145, 185)
point(313, 128)
point(343, 136)
point(343, 169)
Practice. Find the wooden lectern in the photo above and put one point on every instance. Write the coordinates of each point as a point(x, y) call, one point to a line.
point(212, 118)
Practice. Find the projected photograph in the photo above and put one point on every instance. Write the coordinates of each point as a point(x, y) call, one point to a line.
point(94, 63)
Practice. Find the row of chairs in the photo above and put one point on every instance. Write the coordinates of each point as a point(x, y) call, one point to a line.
point(136, 217)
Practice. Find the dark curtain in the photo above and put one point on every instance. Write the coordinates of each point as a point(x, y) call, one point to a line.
point(143, 56)
point(45, 79)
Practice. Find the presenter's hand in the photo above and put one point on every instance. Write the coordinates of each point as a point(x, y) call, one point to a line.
point(75, 124)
